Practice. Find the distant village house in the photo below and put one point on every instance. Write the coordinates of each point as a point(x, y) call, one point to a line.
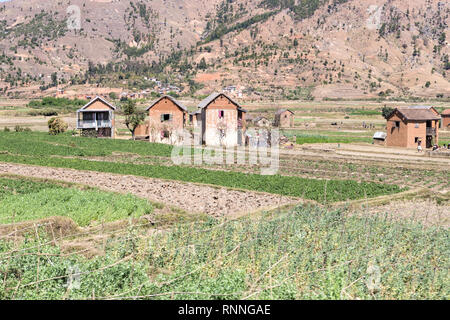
point(284, 118)
point(446, 119)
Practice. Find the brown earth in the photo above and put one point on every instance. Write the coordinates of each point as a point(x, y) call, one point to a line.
point(426, 211)
point(214, 201)
point(339, 53)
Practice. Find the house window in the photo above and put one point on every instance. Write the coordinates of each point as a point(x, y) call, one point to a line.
point(88, 116)
point(416, 139)
point(397, 124)
point(221, 114)
point(416, 126)
point(166, 117)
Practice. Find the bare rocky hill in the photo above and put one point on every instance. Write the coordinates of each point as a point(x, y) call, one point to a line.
point(294, 49)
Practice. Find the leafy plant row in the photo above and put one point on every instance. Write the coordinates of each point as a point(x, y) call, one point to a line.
point(319, 190)
point(22, 200)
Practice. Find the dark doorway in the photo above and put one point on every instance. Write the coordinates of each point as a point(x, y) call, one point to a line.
point(429, 141)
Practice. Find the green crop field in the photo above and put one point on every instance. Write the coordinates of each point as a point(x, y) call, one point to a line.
point(305, 138)
point(319, 190)
point(45, 150)
point(41, 143)
point(307, 253)
point(22, 200)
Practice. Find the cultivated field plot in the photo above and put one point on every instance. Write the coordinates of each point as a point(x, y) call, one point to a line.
point(75, 153)
point(188, 197)
point(86, 218)
point(23, 200)
point(305, 253)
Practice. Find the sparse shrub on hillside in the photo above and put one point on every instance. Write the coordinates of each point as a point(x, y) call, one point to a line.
point(6, 129)
point(56, 126)
point(113, 96)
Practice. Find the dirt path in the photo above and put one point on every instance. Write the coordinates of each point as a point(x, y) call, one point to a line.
point(187, 196)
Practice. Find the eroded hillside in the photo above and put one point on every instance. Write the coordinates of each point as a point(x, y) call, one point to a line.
point(267, 48)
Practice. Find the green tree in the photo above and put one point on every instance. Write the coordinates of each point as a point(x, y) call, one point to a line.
point(133, 116)
point(54, 79)
point(202, 65)
point(386, 112)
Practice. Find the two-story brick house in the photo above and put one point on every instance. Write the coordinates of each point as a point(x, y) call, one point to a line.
point(222, 121)
point(410, 127)
point(167, 119)
point(96, 118)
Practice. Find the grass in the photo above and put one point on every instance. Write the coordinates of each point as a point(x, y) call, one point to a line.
point(41, 144)
point(306, 139)
point(307, 253)
point(22, 200)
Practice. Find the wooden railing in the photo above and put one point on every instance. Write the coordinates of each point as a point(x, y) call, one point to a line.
point(93, 124)
point(431, 131)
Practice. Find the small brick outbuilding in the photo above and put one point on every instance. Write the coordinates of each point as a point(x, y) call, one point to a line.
point(446, 119)
point(284, 118)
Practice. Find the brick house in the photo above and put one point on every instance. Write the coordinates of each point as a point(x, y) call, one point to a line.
point(167, 119)
point(222, 121)
point(261, 122)
point(284, 118)
point(410, 127)
point(446, 119)
point(96, 118)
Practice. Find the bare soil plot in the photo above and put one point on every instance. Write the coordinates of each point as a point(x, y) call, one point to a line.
point(426, 211)
point(213, 201)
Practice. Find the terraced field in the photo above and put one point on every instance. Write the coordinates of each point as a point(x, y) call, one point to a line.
point(72, 152)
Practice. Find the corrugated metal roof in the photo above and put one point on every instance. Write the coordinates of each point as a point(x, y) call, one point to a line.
point(205, 102)
point(380, 135)
point(180, 105)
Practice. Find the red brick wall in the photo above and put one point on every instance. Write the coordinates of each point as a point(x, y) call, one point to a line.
point(406, 135)
point(446, 121)
point(396, 137)
point(286, 119)
point(166, 106)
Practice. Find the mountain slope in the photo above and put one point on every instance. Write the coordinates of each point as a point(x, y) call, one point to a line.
point(269, 48)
